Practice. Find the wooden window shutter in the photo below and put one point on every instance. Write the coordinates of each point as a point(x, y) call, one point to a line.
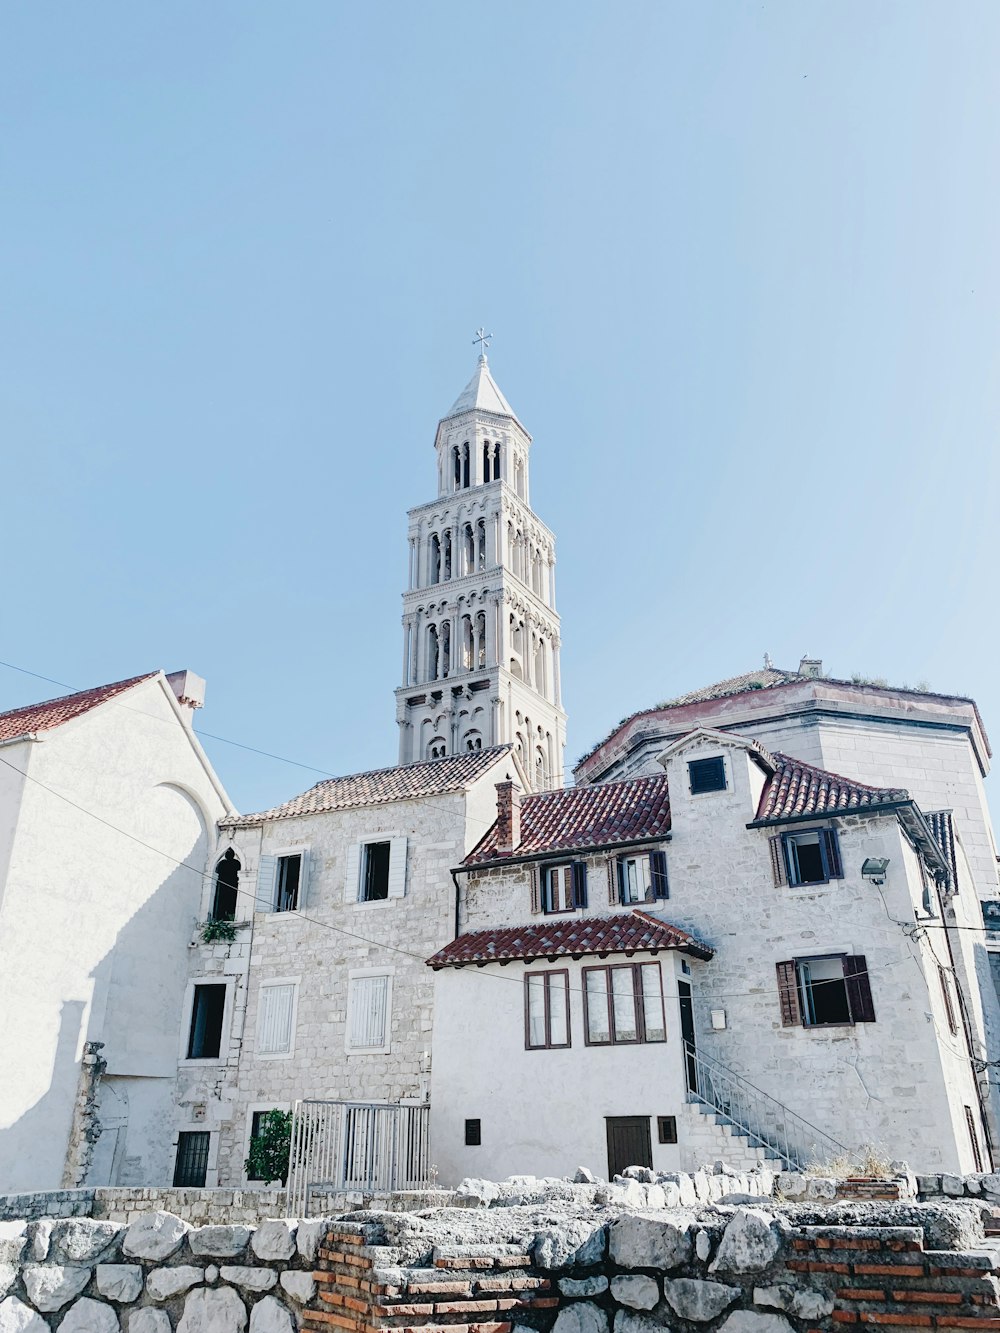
point(832, 845)
point(788, 994)
point(302, 897)
point(579, 884)
point(658, 874)
point(612, 881)
point(859, 991)
point(536, 890)
point(266, 872)
point(778, 860)
point(397, 867)
point(620, 873)
point(352, 877)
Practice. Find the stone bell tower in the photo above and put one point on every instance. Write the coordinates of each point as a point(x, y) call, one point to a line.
point(480, 629)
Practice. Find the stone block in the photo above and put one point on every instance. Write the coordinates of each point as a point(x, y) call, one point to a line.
point(87, 1316)
point(821, 1187)
point(119, 1282)
point(219, 1242)
point(647, 1242)
point(162, 1283)
point(274, 1239)
point(51, 1286)
point(952, 1185)
point(81, 1241)
point(13, 1241)
point(8, 1276)
point(148, 1320)
point(156, 1236)
point(748, 1321)
point(696, 1299)
point(213, 1310)
point(39, 1236)
point(803, 1302)
point(253, 1279)
point(583, 1286)
point(270, 1316)
point(16, 1317)
point(576, 1242)
point(300, 1286)
point(635, 1290)
point(308, 1235)
point(749, 1243)
point(581, 1317)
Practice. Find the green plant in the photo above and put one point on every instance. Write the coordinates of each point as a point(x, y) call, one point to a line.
point(270, 1148)
point(217, 929)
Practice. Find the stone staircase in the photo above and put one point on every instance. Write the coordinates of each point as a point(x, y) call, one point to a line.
point(707, 1138)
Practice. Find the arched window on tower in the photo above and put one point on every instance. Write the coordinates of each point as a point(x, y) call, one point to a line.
point(473, 741)
point(446, 554)
point(469, 549)
point(438, 748)
point(496, 461)
point(481, 545)
point(435, 559)
point(466, 643)
point(456, 455)
point(432, 652)
point(480, 640)
point(465, 464)
point(227, 883)
point(541, 770)
point(487, 460)
point(519, 476)
point(446, 648)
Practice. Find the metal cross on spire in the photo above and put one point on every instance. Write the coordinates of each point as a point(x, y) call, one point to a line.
point(483, 338)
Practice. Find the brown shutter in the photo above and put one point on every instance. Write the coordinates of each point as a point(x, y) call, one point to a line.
point(833, 854)
point(612, 881)
point(536, 890)
point(859, 992)
point(788, 994)
point(778, 860)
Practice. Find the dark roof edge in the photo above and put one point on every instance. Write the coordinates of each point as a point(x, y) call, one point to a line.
point(514, 859)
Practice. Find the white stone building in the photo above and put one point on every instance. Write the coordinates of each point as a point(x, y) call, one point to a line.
point(108, 808)
point(480, 629)
point(740, 942)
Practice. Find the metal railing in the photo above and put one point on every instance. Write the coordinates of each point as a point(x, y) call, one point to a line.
point(373, 1146)
point(750, 1111)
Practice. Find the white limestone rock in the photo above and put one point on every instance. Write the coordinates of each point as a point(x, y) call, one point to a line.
point(8, 1275)
point(635, 1290)
point(308, 1236)
point(81, 1240)
point(746, 1321)
point(16, 1317)
point(119, 1282)
point(300, 1286)
point(989, 1183)
point(253, 1279)
point(656, 1199)
point(583, 1286)
point(700, 1182)
point(39, 1236)
point(804, 1303)
point(953, 1185)
point(627, 1321)
point(88, 1316)
point(574, 1242)
point(162, 1283)
point(821, 1187)
point(270, 1316)
point(644, 1174)
point(702, 1244)
point(649, 1242)
point(749, 1243)
point(793, 1184)
point(472, 1193)
point(700, 1301)
point(219, 1242)
point(154, 1236)
point(581, 1317)
point(51, 1286)
point(213, 1310)
point(13, 1241)
point(211, 1274)
point(584, 1176)
point(148, 1320)
point(274, 1239)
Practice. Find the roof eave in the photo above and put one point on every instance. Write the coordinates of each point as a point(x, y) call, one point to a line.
point(581, 849)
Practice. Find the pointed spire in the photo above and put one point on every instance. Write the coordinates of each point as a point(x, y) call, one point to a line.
point(482, 392)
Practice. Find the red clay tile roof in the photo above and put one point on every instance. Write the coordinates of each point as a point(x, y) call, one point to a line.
point(54, 712)
point(432, 777)
point(625, 932)
point(579, 817)
point(943, 827)
point(799, 789)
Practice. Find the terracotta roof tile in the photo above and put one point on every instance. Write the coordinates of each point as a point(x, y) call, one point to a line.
point(942, 825)
point(580, 817)
point(432, 777)
point(625, 932)
point(799, 789)
point(54, 712)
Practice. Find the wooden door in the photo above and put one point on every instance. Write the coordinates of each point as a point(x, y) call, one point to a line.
point(629, 1143)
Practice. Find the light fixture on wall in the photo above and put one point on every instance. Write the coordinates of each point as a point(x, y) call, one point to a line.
point(874, 869)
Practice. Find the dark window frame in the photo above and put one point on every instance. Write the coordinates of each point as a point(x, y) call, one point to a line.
point(857, 990)
point(949, 1008)
point(666, 1129)
point(639, 999)
point(829, 851)
point(286, 898)
point(547, 872)
point(548, 1044)
point(191, 1158)
point(474, 1133)
point(659, 884)
point(368, 891)
point(703, 775)
point(197, 1018)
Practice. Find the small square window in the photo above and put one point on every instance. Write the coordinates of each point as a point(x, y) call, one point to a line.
point(707, 775)
point(666, 1128)
point(375, 872)
point(473, 1133)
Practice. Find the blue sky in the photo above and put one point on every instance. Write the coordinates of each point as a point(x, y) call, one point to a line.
point(741, 265)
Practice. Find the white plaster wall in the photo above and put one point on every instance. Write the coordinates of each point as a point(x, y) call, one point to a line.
point(542, 1111)
point(95, 926)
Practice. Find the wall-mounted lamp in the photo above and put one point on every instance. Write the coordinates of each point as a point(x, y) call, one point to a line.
point(874, 869)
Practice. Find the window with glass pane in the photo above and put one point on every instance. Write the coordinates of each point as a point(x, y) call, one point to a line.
point(546, 998)
point(624, 1004)
point(559, 888)
point(635, 878)
point(598, 1012)
point(653, 1021)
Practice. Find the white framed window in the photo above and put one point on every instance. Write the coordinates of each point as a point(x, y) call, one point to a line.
point(255, 1112)
point(369, 1011)
point(206, 1022)
point(277, 1010)
point(282, 880)
point(376, 870)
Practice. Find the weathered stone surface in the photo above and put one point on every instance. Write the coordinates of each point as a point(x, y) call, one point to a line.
point(802, 1302)
point(821, 1187)
point(270, 1316)
point(148, 1320)
point(300, 1286)
point(635, 1290)
point(308, 1235)
point(644, 1174)
point(581, 1317)
point(793, 1185)
point(81, 1240)
point(219, 1242)
point(154, 1236)
point(211, 1274)
point(51, 1286)
point(273, 1239)
point(213, 1310)
point(8, 1272)
point(119, 1282)
point(88, 1316)
point(691, 1298)
point(648, 1242)
point(16, 1317)
point(655, 1197)
point(749, 1243)
point(702, 1244)
point(479, 1193)
point(746, 1321)
point(253, 1279)
point(622, 1194)
point(990, 1183)
point(162, 1283)
point(576, 1242)
point(584, 1176)
point(953, 1185)
point(13, 1241)
point(39, 1236)
point(627, 1321)
point(583, 1286)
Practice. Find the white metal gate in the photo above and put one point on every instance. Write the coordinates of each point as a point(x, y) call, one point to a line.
point(374, 1146)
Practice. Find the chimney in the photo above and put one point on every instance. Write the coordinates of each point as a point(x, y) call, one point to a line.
point(508, 817)
point(190, 691)
point(811, 666)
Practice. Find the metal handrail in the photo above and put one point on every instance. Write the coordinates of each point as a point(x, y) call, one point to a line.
point(765, 1121)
